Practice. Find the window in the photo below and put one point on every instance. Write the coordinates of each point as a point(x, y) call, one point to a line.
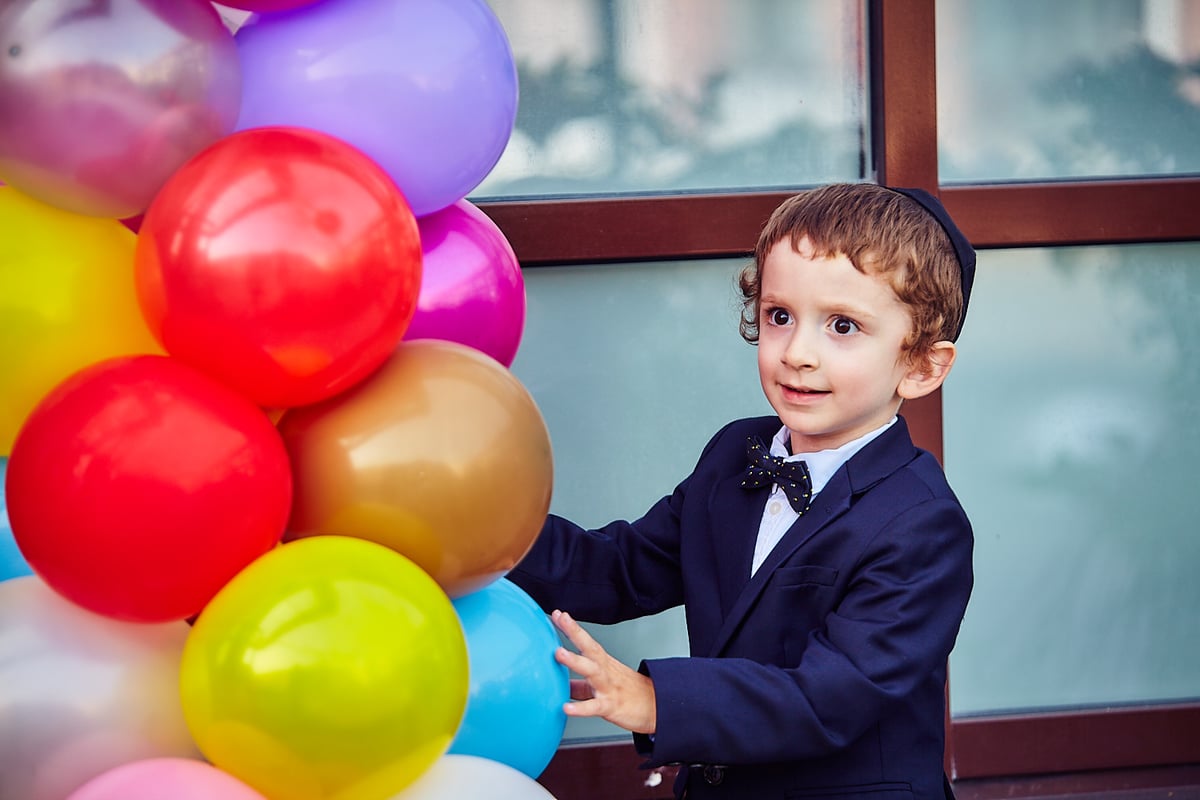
point(653, 96)
point(1070, 437)
point(1084, 216)
point(1029, 90)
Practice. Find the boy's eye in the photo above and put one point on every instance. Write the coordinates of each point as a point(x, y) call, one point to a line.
point(778, 316)
point(844, 326)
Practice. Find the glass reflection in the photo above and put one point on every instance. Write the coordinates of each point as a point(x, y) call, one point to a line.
point(1071, 436)
point(1075, 88)
point(682, 95)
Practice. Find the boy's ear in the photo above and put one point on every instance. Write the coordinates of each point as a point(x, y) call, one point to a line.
point(928, 373)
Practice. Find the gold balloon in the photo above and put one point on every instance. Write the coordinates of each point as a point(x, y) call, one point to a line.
point(441, 455)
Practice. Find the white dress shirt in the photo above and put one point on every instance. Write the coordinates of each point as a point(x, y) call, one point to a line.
point(778, 514)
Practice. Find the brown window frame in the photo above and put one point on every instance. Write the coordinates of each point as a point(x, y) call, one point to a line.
point(1060, 213)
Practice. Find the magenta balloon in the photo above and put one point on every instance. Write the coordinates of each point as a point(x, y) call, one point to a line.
point(426, 89)
point(101, 102)
point(472, 291)
point(266, 5)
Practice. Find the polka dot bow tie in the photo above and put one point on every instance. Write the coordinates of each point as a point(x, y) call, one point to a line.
point(766, 469)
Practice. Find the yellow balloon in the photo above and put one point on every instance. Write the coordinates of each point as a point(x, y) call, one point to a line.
point(67, 300)
point(331, 667)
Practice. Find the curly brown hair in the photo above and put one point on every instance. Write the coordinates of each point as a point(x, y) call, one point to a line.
point(882, 232)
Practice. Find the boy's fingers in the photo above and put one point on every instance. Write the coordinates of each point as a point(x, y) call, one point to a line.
point(575, 632)
point(583, 708)
point(580, 665)
point(581, 690)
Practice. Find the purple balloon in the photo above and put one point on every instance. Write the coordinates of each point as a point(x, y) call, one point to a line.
point(101, 102)
point(472, 290)
point(426, 89)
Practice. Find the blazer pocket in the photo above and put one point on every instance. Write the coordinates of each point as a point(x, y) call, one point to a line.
point(870, 791)
point(805, 575)
point(805, 593)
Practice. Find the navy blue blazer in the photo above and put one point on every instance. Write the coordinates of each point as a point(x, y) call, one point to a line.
point(824, 673)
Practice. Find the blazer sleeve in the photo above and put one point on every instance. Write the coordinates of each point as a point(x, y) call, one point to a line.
point(887, 640)
point(621, 571)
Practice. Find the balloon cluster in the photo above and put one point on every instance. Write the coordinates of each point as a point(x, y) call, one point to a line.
point(265, 466)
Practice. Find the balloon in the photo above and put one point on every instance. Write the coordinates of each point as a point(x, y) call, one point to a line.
point(12, 563)
point(455, 777)
point(515, 703)
point(138, 487)
point(282, 262)
point(100, 103)
point(441, 455)
point(330, 667)
point(67, 300)
point(428, 90)
point(158, 778)
point(473, 291)
point(80, 693)
point(265, 6)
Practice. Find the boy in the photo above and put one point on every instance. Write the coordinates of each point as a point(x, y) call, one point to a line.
point(823, 561)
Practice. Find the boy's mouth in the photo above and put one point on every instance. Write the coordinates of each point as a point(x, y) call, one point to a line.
point(802, 391)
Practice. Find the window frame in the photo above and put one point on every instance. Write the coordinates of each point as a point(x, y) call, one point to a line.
point(903, 108)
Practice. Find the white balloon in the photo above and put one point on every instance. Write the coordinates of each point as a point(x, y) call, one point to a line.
point(461, 777)
point(81, 693)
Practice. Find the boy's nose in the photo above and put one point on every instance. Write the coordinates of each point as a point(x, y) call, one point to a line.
point(801, 350)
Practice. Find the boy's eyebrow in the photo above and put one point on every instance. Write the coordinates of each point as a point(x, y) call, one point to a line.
point(836, 308)
point(846, 309)
point(862, 316)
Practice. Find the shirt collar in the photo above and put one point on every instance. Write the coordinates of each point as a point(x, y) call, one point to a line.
point(823, 463)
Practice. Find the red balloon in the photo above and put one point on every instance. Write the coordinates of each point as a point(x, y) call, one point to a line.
point(138, 487)
point(281, 261)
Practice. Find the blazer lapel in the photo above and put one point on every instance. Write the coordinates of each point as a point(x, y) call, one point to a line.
point(735, 513)
point(883, 456)
point(830, 503)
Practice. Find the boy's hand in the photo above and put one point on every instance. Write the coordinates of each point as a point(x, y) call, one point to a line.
point(609, 689)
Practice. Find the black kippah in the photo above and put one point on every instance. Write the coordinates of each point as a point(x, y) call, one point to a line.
point(962, 248)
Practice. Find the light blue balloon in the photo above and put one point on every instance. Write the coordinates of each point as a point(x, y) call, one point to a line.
point(12, 563)
point(514, 705)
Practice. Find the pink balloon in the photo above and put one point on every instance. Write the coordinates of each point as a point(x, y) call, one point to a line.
point(157, 778)
point(101, 102)
point(472, 291)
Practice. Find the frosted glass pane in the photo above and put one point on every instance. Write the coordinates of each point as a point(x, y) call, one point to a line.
point(1030, 89)
point(1072, 435)
point(634, 367)
point(643, 96)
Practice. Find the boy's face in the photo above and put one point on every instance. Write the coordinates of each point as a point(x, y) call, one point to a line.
point(830, 342)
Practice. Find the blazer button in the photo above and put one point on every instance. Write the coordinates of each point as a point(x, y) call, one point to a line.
point(713, 775)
